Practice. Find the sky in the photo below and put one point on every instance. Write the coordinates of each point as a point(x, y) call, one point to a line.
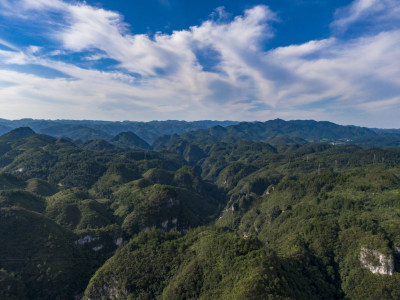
point(334, 60)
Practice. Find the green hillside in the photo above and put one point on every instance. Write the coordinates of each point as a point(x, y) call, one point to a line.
point(40, 256)
point(209, 215)
point(204, 264)
point(129, 140)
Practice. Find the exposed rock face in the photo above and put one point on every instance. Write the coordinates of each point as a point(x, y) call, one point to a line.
point(86, 239)
point(98, 248)
point(111, 291)
point(114, 292)
point(164, 224)
point(172, 202)
point(119, 242)
point(377, 262)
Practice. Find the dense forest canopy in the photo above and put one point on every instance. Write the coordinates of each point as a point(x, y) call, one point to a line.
point(277, 210)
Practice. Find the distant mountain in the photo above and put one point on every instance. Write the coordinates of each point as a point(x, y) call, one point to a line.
point(313, 130)
point(275, 131)
point(385, 131)
point(129, 140)
point(191, 153)
point(284, 132)
point(284, 140)
point(4, 129)
point(98, 145)
point(18, 133)
point(75, 132)
point(90, 130)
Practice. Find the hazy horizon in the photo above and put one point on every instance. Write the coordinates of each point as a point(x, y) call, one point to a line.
point(202, 120)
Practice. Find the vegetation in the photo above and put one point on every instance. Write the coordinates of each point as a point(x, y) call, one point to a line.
point(206, 263)
point(207, 215)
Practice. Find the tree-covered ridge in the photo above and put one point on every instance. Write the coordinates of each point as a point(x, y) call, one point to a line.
point(98, 198)
point(161, 134)
point(91, 130)
point(40, 256)
point(206, 263)
point(279, 132)
point(198, 219)
point(128, 140)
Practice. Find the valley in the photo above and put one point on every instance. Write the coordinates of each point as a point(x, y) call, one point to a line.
point(276, 210)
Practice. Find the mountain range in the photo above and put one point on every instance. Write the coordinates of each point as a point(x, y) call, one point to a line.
point(159, 134)
point(276, 210)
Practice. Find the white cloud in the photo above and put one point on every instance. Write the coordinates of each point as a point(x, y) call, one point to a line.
point(246, 82)
point(378, 106)
point(380, 12)
point(42, 4)
point(348, 70)
point(8, 45)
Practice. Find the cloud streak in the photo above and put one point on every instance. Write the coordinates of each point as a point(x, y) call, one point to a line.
point(163, 76)
point(381, 13)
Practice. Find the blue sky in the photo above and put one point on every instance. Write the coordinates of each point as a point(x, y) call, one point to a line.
point(335, 60)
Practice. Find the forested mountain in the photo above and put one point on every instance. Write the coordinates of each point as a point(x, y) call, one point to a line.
point(160, 134)
point(129, 140)
point(218, 213)
point(91, 130)
point(280, 132)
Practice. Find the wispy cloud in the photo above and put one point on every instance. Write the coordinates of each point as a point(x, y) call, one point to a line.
point(8, 45)
point(169, 76)
point(377, 106)
point(379, 12)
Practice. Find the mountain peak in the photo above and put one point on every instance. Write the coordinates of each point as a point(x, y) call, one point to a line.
point(128, 139)
point(19, 133)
